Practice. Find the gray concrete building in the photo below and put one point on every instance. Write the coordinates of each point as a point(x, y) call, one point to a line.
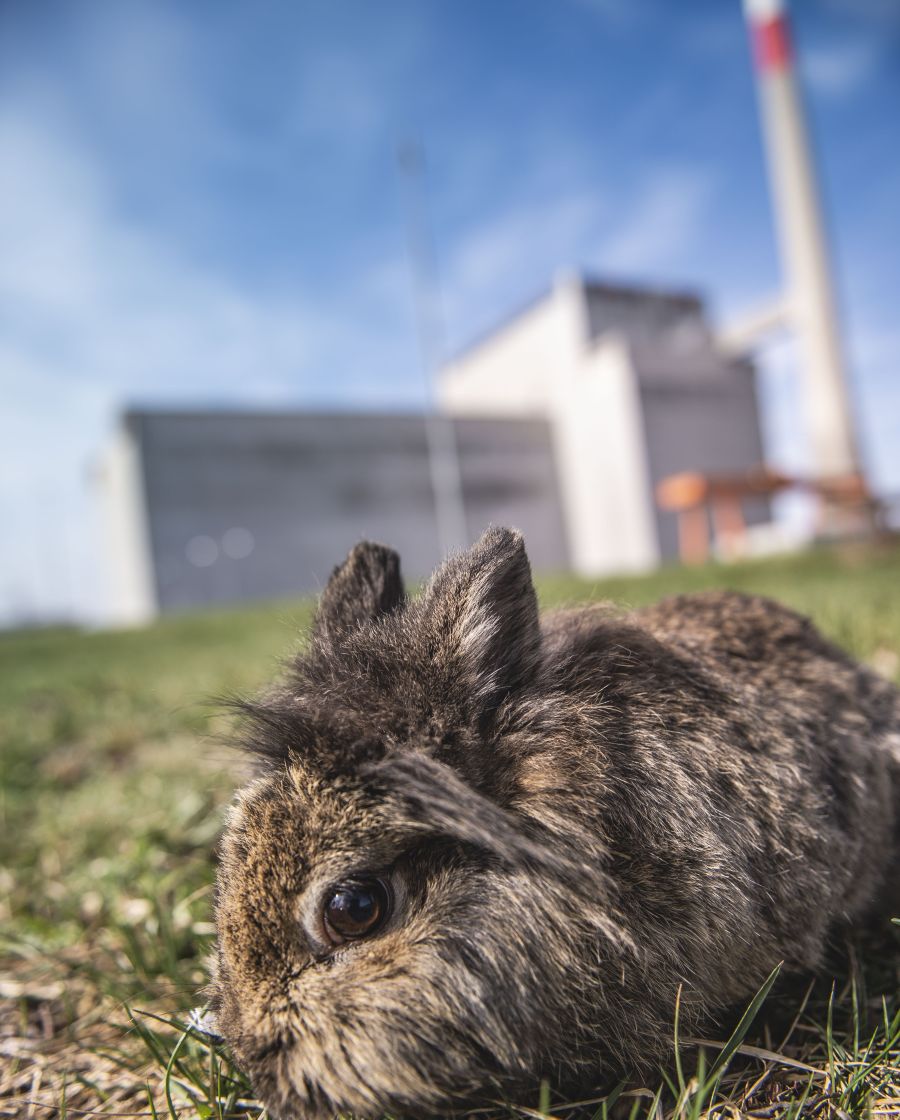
point(216, 507)
point(564, 419)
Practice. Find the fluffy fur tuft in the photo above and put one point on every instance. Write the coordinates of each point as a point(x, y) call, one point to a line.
point(575, 818)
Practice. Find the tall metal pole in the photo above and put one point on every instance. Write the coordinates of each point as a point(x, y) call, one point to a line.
point(811, 299)
point(443, 452)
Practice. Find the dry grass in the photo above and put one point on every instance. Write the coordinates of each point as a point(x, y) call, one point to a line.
point(112, 781)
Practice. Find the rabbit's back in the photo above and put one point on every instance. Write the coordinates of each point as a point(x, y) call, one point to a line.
point(748, 770)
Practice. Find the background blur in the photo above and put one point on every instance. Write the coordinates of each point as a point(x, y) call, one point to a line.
point(201, 205)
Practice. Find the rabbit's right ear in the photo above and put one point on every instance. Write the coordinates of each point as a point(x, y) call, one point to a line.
point(368, 584)
point(481, 615)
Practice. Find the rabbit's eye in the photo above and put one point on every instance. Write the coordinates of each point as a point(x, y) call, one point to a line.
point(356, 909)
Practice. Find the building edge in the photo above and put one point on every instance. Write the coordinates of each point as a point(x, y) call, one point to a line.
point(131, 598)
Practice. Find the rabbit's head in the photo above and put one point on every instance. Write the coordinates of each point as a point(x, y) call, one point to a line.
point(401, 921)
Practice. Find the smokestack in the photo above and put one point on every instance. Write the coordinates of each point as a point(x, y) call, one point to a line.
point(810, 297)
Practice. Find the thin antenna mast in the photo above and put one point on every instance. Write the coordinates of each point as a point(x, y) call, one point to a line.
point(443, 453)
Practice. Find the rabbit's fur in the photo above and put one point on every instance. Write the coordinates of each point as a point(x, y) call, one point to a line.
point(577, 817)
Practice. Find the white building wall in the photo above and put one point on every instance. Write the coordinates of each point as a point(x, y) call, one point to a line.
point(519, 369)
point(131, 594)
point(543, 363)
point(604, 472)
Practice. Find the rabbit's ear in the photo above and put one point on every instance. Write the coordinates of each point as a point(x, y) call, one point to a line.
point(366, 585)
point(480, 611)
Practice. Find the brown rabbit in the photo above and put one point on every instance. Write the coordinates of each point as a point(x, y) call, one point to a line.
point(479, 850)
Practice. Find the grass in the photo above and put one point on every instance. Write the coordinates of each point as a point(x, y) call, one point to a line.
point(113, 776)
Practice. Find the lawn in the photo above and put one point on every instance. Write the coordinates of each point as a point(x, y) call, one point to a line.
point(115, 767)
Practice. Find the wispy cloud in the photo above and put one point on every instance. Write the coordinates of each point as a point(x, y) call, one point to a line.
point(510, 257)
point(100, 310)
point(131, 309)
point(839, 69)
point(882, 13)
point(616, 12)
point(662, 223)
point(513, 254)
point(875, 357)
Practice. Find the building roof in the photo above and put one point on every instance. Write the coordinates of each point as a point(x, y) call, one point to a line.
point(686, 299)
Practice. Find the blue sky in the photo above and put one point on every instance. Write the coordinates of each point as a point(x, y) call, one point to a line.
point(199, 203)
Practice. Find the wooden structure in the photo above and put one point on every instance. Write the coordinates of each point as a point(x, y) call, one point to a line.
point(702, 501)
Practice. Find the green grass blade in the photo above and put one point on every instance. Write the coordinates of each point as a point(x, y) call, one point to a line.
point(168, 1079)
point(744, 1023)
point(154, 1114)
point(544, 1098)
point(678, 1069)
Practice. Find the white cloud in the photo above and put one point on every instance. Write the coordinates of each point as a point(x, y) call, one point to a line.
point(100, 311)
point(662, 224)
point(502, 262)
point(615, 11)
point(336, 94)
point(874, 351)
point(881, 13)
point(838, 69)
point(532, 239)
point(131, 310)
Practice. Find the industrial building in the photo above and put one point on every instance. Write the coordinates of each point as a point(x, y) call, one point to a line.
point(635, 388)
point(562, 421)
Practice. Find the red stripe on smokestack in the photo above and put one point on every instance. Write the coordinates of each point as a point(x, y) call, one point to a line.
point(772, 43)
